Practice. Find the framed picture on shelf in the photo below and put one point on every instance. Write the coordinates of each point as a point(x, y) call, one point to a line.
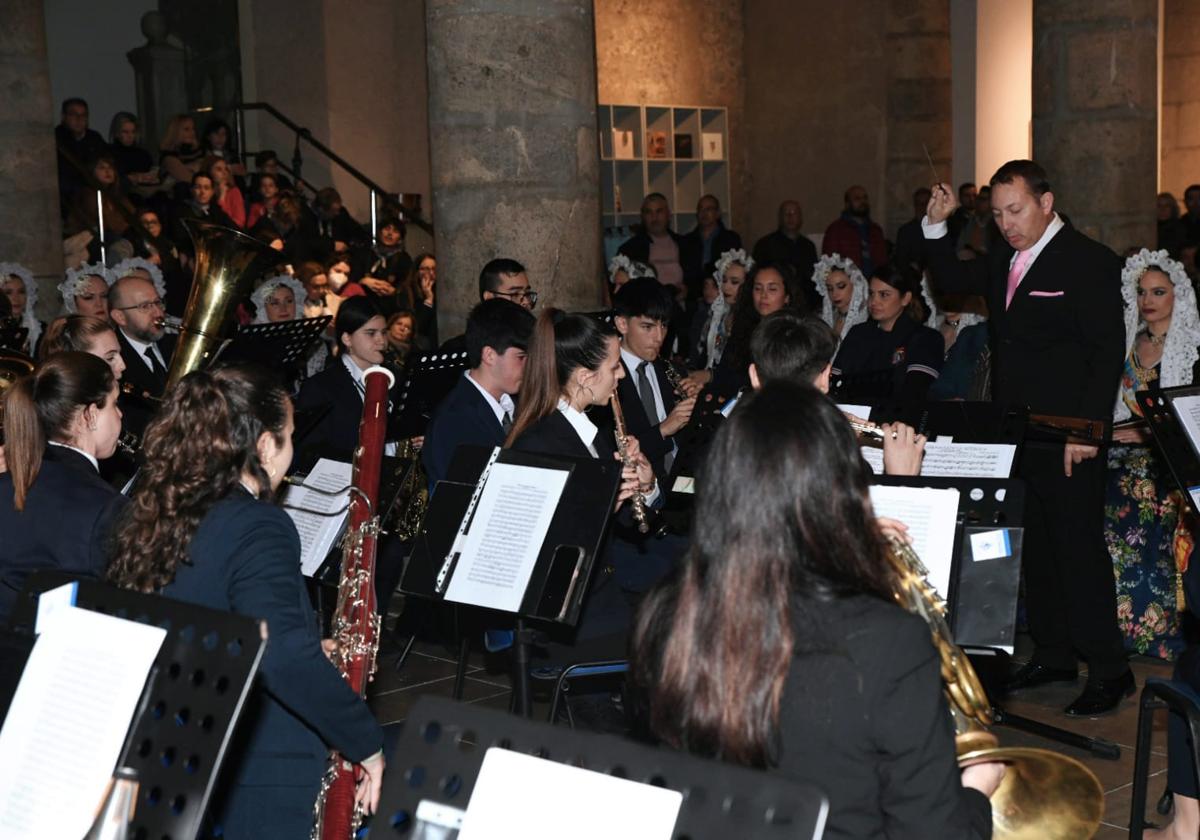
point(656, 144)
point(622, 144)
point(683, 146)
point(712, 145)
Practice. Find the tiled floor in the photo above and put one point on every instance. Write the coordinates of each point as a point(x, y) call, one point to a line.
point(430, 670)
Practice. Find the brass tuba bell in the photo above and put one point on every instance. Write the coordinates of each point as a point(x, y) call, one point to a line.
point(227, 263)
point(1044, 795)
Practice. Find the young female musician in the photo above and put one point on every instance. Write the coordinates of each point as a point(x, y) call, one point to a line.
point(55, 510)
point(84, 334)
point(778, 643)
point(201, 528)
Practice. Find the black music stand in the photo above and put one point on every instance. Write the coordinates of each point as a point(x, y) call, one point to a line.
point(560, 577)
point(444, 743)
point(13, 335)
point(280, 345)
point(981, 605)
point(194, 695)
point(430, 378)
point(1181, 453)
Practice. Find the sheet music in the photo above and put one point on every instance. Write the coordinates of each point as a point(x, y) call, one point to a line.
point(507, 532)
point(67, 723)
point(518, 795)
point(862, 412)
point(931, 515)
point(319, 532)
point(1187, 409)
point(969, 460)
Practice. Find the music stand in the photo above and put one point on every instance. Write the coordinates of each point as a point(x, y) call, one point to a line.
point(981, 605)
point(1166, 423)
point(13, 335)
point(194, 695)
point(443, 745)
point(279, 345)
point(430, 378)
point(556, 587)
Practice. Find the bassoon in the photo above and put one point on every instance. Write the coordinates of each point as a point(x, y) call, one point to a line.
point(355, 620)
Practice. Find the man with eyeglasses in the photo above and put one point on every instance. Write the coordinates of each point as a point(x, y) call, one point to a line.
point(77, 144)
point(136, 311)
point(501, 278)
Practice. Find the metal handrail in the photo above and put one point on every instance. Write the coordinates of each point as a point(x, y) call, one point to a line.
point(411, 202)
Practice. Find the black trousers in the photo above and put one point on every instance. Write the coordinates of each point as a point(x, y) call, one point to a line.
point(1069, 588)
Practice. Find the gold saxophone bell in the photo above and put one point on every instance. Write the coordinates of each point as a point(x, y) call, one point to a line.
point(226, 263)
point(1044, 795)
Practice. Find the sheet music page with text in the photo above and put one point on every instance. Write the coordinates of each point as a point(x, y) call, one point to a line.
point(968, 460)
point(931, 515)
point(319, 531)
point(507, 531)
point(1187, 409)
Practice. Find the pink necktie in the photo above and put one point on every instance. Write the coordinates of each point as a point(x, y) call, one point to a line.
point(1015, 273)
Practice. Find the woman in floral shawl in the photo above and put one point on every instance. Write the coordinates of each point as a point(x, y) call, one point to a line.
point(1147, 525)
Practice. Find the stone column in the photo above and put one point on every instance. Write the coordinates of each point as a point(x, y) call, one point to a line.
point(30, 227)
point(514, 161)
point(1095, 112)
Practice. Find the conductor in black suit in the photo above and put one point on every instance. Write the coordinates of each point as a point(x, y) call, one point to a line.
point(642, 313)
point(480, 408)
point(1057, 341)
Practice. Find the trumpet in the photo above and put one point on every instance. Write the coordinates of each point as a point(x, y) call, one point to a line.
point(638, 501)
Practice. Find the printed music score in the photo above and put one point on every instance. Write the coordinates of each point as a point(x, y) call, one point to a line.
point(313, 513)
point(507, 530)
point(1187, 409)
point(966, 460)
point(931, 515)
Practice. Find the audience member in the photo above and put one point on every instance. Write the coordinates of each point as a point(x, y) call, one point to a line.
point(227, 194)
point(134, 164)
point(385, 265)
point(77, 146)
point(788, 244)
point(657, 245)
point(201, 207)
point(329, 229)
point(854, 235)
point(977, 231)
point(267, 163)
point(216, 143)
point(1191, 219)
point(966, 208)
point(910, 242)
point(84, 215)
point(180, 155)
point(1172, 232)
point(20, 288)
point(417, 292)
point(707, 241)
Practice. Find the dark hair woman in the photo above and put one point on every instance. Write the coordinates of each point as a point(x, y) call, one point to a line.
point(778, 644)
point(201, 528)
point(893, 355)
point(573, 365)
point(55, 511)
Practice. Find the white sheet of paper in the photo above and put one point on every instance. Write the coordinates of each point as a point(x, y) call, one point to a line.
point(1187, 409)
point(318, 533)
point(969, 460)
point(862, 412)
point(684, 484)
point(510, 525)
point(68, 720)
point(517, 795)
point(930, 514)
point(51, 602)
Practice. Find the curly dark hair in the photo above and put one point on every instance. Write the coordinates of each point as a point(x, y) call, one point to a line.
point(196, 450)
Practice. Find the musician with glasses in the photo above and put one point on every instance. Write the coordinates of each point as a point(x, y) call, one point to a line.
point(201, 527)
point(817, 674)
point(500, 278)
point(136, 310)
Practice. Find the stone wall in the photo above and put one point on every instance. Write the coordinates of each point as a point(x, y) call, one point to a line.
point(677, 52)
point(1180, 96)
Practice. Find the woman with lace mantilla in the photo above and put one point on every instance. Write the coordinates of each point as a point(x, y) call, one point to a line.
point(843, 291)
point(1147, 526)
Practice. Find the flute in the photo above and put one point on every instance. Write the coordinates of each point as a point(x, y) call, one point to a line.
point(638, 500)
point(867, 429)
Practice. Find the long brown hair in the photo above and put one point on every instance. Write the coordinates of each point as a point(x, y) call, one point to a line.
point(772, 538)
point(562, 343)
point(196, 449)
point(42, 406)
point(72, 332)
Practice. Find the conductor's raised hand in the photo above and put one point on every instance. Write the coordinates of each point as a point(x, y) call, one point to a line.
point(942, 204)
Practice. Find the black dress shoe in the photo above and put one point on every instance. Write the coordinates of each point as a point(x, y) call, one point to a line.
point(1032, 674)
point(1102, 696)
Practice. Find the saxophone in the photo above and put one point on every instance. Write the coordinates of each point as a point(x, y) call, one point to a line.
point(1044, 794)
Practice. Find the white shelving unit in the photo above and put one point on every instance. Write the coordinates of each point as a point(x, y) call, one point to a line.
point(626, 177)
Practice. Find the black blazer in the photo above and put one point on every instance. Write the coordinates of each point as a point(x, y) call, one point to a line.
point(463, 417)
point(1059, 349)
point(912, 352)
point(67, 520)
point(726, 240)
point(136, 409)
point(866, 721)
point(336, 435)
point(554, 435)
point(638, 424)
point(245, 558)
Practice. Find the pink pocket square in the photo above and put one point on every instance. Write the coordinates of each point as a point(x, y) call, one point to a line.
point(1046, 294)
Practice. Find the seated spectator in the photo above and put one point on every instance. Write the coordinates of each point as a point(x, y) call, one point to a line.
point(266, 199)
point(386, 263)
point(266, 162)
point(854, 235)
point(85, 290)
point(418, 294)
point(977, 233)
point(135, 165)
point(962, 323)
point(227, 195)
point(180, 155)
point(152, 246)
point(403, 341)
point(203, 207)
point(83, 214)
point(788, 244)
point(215, 142)
point(337, 269)
point(707, 241)
point(18, 285)
point(657, 245)
point(329, 229)
point(77, 145)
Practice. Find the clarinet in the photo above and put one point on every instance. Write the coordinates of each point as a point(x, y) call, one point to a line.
point(355, 620)
point(638, 500)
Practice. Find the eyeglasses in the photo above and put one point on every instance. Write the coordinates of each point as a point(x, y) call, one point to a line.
point(520, 295)
point(145, 306)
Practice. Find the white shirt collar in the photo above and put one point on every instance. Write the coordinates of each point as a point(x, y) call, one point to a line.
point(499, 407)
point(355, 371)
point(139, 347)
point(583, 427)
point(631, 360)
point(88, 455)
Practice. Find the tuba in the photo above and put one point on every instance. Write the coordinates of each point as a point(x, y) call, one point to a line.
point(1044, 794)
point(226, 268)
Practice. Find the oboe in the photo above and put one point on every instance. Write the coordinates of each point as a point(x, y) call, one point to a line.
point(638, 501)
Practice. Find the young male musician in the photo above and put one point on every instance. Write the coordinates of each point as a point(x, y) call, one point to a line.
point(480, 409)
point(643, 309)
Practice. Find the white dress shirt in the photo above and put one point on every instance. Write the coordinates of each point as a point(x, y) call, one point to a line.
point(631, 363)
point(587, 432)
point(937, 231)
point(504, 405)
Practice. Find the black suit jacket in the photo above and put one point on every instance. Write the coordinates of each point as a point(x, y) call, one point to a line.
point(463, 417)
point(726, 240)
point(68, 516)
point(245, 558)
point(336, 435)
point(640, 426)
point(185, 210)
point(1060, 347)
point(554, 435)
point(136, 409)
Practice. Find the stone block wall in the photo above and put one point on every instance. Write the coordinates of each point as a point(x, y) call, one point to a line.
point(1180, 96)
